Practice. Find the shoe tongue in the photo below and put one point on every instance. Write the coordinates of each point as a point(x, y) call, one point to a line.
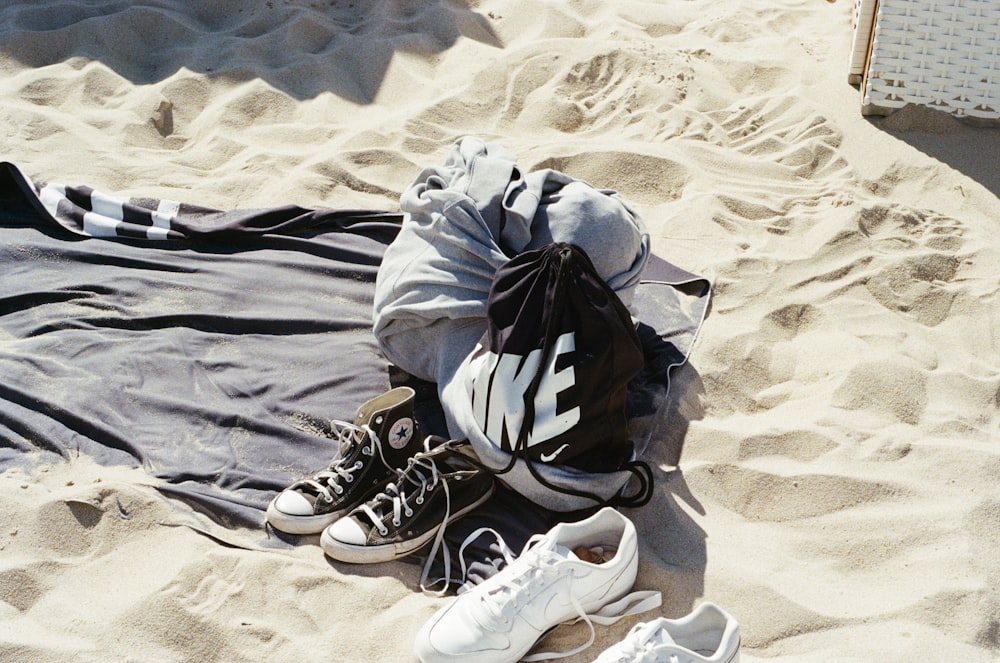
point(659, 636)
point(364, 521)
point(369, 417)
point(348, 443)
point(563, 551)
point(538, 544)
point(372, 413)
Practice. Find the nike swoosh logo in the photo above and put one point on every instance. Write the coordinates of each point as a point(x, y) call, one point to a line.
point(549, 457)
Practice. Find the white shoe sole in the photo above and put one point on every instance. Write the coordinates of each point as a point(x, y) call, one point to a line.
point(300, 524)
point(346, 552)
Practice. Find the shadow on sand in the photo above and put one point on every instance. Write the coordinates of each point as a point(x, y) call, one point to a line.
point(300, 47)
point(973, 150)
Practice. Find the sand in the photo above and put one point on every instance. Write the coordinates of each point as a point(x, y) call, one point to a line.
point(837, 488)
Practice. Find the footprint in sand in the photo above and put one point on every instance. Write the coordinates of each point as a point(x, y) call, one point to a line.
point(923, 248)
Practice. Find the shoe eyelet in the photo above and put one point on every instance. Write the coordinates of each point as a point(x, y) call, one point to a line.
point(408, 513)
point(328, 499)
point(358, 464)
point(383, 530)
point(338, 490)
point(396, 523)
point(420, 499)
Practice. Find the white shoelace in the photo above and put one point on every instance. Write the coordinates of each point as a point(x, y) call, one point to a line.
point(422, 474)
point(396, 495)
point(532, 572)
point(337, 473)
point(633, 651)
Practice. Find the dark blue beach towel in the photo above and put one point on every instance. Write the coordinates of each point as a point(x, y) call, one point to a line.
point(213, 348)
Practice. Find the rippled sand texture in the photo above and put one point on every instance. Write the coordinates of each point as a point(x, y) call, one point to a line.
point(838, 425)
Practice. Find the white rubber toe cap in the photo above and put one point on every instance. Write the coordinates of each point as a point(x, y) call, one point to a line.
point(292, 503)
point(347, 531)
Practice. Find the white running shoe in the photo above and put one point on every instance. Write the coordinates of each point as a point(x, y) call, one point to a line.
point(707, 635)
point(579, 570)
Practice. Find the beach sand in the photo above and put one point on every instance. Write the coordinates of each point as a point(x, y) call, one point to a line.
point(837, 489)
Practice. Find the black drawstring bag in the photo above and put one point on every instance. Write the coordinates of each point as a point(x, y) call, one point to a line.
point(550, 382)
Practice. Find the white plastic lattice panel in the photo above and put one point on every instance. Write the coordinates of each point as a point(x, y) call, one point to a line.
point(944, 54)
point(861, 29)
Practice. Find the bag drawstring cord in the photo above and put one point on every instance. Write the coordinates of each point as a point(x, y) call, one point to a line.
point(640, 470)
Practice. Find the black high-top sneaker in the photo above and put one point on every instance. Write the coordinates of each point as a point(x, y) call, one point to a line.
point(440, 484)
point(381, 440)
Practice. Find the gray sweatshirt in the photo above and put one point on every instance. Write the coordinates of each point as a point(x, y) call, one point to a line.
point(464, 219)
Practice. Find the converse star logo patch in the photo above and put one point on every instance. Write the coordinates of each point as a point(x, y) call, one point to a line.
point(400, 433)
